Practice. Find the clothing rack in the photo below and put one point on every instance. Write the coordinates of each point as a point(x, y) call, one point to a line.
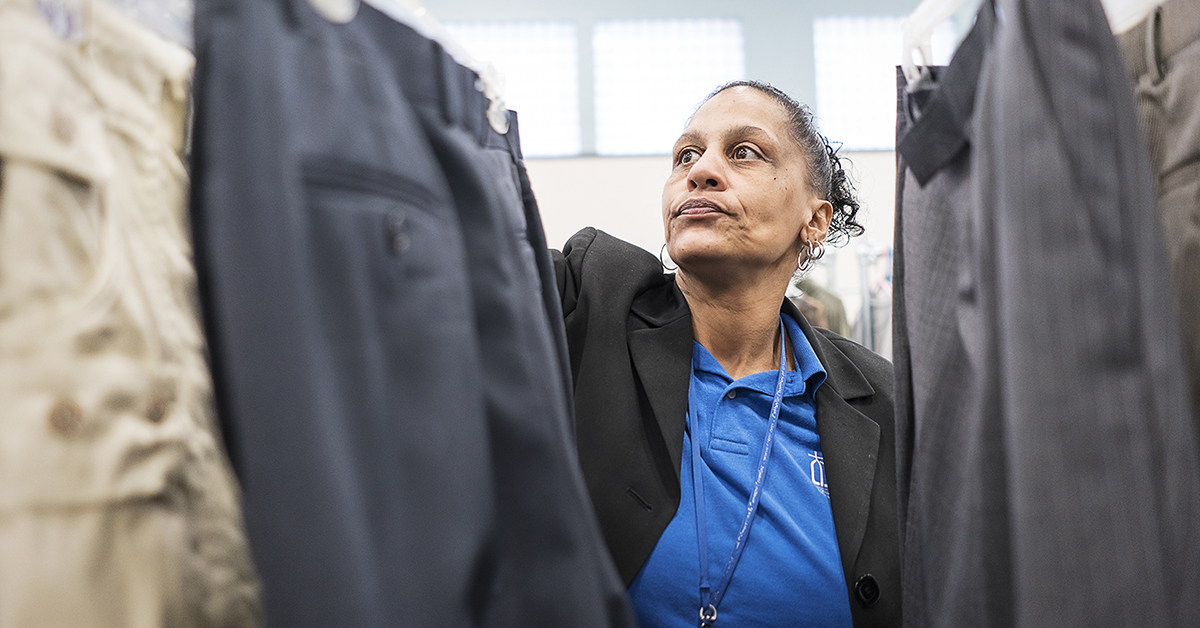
point(868, 254)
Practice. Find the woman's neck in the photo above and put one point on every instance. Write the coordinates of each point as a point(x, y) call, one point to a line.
point(738, 324)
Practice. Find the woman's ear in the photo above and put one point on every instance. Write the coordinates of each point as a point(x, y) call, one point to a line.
point(818, 226)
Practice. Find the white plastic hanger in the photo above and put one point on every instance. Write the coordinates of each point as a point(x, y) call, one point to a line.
point(917, 33)
point(918, 28)
point(1125, 14)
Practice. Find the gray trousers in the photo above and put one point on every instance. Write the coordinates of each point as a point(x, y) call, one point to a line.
point(1048, 463)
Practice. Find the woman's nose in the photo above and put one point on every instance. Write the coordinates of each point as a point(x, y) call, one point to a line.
point(706, 173)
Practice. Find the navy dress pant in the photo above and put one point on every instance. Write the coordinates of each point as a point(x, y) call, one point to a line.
point(386, 335)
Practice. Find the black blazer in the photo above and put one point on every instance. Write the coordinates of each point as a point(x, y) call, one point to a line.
point(629, 330)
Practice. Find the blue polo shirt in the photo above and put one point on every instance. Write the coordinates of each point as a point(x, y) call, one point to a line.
point(790, 574)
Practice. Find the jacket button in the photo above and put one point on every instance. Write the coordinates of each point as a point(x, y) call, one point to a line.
point(397, 231)
point(157, 410)
point(66, 417)
point(162, 397)
point(866, 591)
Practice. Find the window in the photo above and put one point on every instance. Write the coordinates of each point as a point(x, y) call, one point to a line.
point(856, 59)
point(651, 74)
point(539, 64)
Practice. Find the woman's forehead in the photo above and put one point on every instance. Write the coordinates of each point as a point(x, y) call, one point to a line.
point(740, 107)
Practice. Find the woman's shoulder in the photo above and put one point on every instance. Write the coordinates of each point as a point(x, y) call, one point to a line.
point(875, 368)
point(596, 246)
point(602, 264)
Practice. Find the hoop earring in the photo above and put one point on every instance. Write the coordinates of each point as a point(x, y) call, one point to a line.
point(812, 252)
point(805, 262)
point(664, 264)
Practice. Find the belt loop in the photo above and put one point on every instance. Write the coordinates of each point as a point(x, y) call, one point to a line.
point(479, 117)
point(513, 137)
point(452, 96)
point(291, 12)
point(1154, 65)
point(475, 108)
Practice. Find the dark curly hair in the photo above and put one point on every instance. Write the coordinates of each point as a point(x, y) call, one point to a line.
point(825, 171)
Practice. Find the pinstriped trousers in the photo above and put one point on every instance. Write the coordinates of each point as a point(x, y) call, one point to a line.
point(1048, 462)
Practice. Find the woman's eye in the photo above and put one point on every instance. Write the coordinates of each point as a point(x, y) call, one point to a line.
point(689, 155)
point(745, 152)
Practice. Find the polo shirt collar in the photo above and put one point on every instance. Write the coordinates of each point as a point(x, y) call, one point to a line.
point(807, 377)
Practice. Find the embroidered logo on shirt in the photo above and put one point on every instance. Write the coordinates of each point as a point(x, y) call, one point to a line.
point(816, 471)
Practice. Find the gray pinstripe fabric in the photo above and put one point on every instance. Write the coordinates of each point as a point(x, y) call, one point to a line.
point(1048, 464)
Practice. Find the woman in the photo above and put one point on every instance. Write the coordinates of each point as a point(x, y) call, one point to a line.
point(806, 450)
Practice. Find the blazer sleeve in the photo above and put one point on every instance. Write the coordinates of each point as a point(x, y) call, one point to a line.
point(568, 267)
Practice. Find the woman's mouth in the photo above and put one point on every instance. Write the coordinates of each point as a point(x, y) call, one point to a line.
point(699, 207)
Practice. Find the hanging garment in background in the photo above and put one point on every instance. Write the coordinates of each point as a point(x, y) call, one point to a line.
point(881, 318)
point(1162, 55)
point(386, 335)
point(831, 306)
point(1048, 465)
point(118, 507)
point(812, 309)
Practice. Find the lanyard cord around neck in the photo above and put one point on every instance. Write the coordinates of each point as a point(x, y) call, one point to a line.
point(710, 597)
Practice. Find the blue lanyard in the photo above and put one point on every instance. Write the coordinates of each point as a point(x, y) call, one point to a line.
point(710, 597)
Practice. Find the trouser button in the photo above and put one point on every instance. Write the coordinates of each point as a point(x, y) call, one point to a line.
point(66, 417)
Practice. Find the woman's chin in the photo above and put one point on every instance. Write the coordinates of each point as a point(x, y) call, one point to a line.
point(694, 244)
point(698, 256)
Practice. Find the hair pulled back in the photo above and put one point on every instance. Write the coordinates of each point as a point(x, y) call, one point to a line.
point(825, 171)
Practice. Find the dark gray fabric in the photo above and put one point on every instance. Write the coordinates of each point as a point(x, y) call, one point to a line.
point(630, 336)
point(386, 333)
point(1162, 56)
point(1048, 465)
point(954, 544)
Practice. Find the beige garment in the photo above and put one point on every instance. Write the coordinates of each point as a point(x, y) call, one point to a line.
point(117, 504)
point(1162, 55)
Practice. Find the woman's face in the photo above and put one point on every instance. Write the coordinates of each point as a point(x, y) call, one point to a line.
point(738, 193)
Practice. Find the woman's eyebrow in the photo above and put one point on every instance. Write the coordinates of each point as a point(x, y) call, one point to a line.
point(688, 137)
point(746, 130)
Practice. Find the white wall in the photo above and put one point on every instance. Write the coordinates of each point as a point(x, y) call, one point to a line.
point(620, 195)
point(623, 196)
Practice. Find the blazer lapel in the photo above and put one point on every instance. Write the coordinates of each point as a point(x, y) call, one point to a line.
point(850, 446)
point(662, 357)
point(849, 442)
